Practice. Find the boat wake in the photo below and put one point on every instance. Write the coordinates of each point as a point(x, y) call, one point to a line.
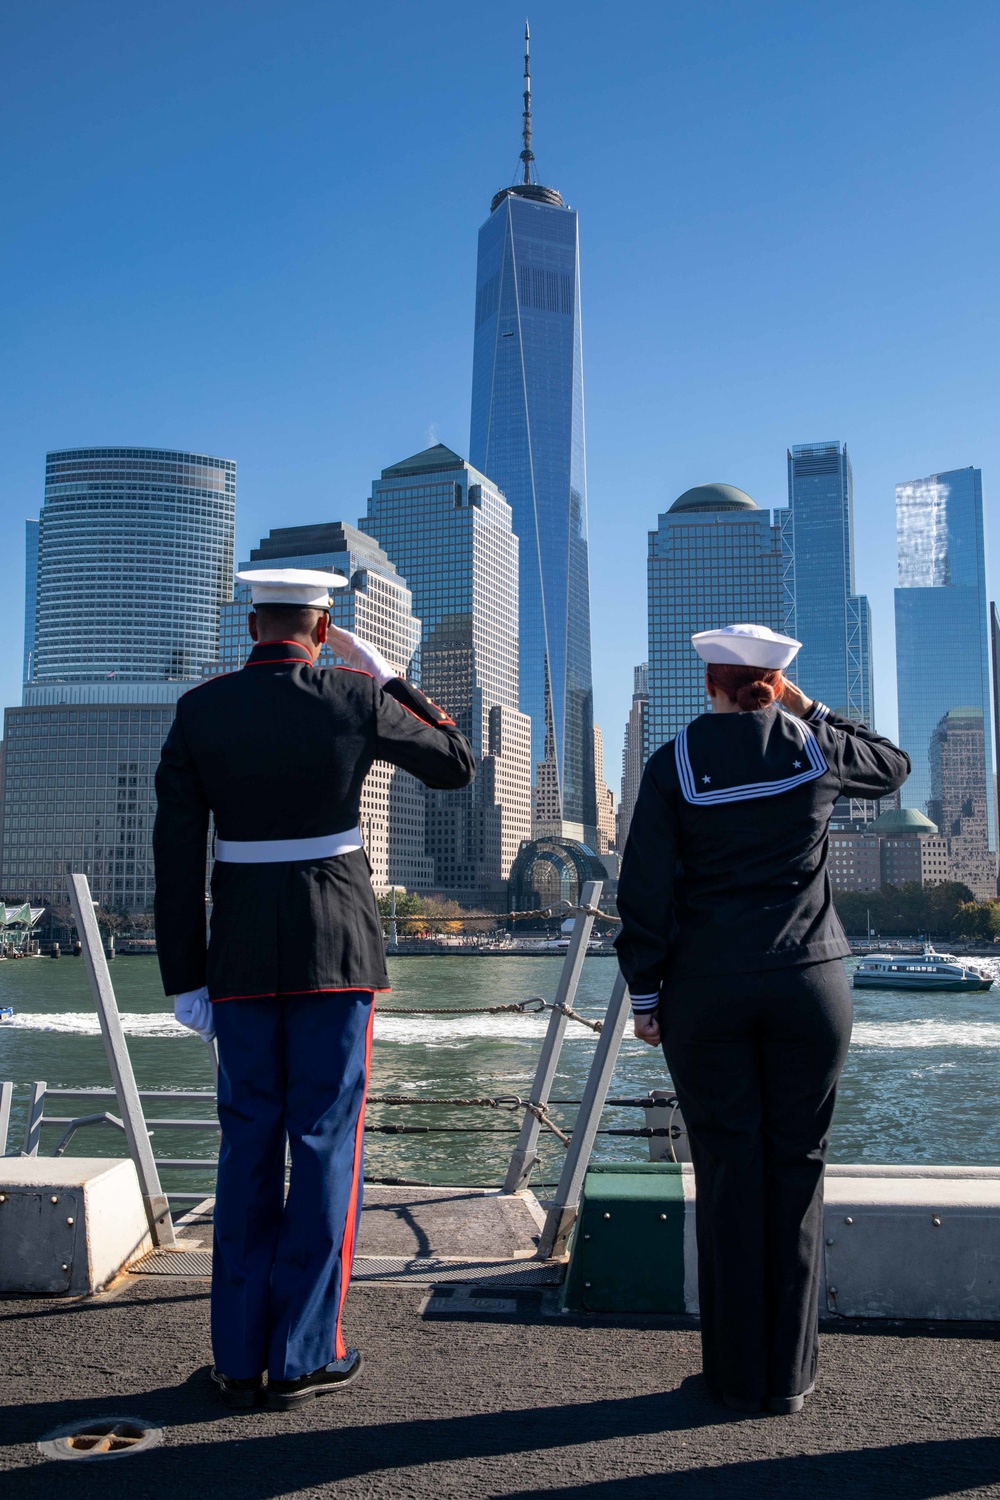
point(929, 1033)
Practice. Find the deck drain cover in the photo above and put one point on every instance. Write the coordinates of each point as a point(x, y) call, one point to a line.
point(430, 1269)
point(174, 1263)
point(101, 1437)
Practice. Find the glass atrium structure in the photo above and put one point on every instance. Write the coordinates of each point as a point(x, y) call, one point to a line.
point(942, 650)
point(826, 615)
point(715, 559)
point(135, 551)
point(527, 435)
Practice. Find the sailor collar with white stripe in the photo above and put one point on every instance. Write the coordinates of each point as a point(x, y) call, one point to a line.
point(707, 774)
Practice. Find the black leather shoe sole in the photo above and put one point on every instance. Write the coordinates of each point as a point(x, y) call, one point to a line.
point(237, 1393)
point(788, 1406)
point(284, 1395)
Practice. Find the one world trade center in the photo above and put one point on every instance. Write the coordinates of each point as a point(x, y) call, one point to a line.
point(528, 437)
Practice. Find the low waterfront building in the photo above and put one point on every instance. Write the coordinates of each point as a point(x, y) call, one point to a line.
point(911, 850)
point(378, 607)
point(854, 860)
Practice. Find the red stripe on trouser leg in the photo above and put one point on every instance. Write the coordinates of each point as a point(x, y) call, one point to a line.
point(351, 1224)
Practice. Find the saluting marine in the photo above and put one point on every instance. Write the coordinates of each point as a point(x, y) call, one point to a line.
point(277, 754)
point(733, 952)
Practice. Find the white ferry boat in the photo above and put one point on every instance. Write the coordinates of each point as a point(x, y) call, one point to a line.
point(919, 971)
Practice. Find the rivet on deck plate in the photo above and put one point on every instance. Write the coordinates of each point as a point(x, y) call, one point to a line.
point(832, 1291)
point(69, 1221)
point(607, 1216)
point(53, 1199)
point(829, 1242)
point(587, 1283)
point(663, 1216)
point(935, 1221)
point(586, 1236)
point(3, 1197)
point(848, 1220)
point(65, 1268)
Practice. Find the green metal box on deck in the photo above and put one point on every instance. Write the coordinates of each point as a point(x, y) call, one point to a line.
point(627, 1253)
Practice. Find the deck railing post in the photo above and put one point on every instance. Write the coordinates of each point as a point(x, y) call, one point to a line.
point(564, 1207)
point(525, 1153)
point(154, 1199)
point(6, 1095)
point(33, 1124)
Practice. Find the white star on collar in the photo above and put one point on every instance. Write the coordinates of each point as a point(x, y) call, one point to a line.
point(706, 779)
point(797, 764)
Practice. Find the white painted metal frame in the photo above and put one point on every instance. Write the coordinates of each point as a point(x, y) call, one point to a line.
point(154, 1199)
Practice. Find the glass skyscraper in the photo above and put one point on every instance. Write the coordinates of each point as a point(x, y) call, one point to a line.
point(527, 435)
point(135, 556)
point(448, 530)
point(825, 614)
point(942, 649)
point(715, 559)
point(132, 560)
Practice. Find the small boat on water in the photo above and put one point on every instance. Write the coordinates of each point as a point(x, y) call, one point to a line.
point(6, 1013)
point(919, 971)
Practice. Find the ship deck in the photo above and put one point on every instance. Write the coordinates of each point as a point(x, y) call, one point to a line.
point(480, 1387)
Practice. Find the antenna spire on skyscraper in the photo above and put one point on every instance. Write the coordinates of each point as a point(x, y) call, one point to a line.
point(527, 155)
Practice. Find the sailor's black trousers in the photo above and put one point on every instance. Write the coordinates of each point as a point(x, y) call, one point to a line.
point(754, 1059)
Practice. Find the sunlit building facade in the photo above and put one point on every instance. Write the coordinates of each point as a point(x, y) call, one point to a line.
point(448, 530)
point(826, 615)
point(942, 647)
point(527, 435)
point(633, 752)
point(715, 559)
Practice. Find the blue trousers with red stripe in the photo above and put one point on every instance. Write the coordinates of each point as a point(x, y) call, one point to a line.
point(294, 1065)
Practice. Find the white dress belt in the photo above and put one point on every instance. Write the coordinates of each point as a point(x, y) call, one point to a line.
point(273, 851)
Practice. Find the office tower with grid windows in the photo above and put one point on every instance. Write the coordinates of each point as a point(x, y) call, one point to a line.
point(377, 606)
point(134, 558)
point(715, 559)
point(448, 530)
point(30, 595)
point(942, 646)
point(633, 752)
point(527, 435)
point(823, 611)
point(957, 803)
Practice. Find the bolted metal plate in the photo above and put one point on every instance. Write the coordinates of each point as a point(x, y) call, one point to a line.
point(174, 1263)
point(429, 1269)
point(101, 1437)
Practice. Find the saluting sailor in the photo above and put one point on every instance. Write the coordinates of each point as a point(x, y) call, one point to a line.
point(733, 955)
point(277, 754)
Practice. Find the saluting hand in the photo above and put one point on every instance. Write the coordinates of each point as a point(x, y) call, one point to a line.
point(647, 1028)
point(794, 699)
point(360, 654)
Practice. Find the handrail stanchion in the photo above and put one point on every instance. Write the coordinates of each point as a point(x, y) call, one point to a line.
point(565, 1206)
point(525, 1153)
point(33, 1124)
point(6, 1094)
point(154, 1199)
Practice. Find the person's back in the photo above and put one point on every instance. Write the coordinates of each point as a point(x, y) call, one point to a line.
point(732, 952)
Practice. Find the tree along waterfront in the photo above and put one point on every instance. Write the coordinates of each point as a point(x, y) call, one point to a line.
point(947, 910)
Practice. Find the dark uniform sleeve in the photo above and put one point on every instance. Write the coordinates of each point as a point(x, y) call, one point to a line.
point(869, 765)
point(646, 885)
point(180, 847)
point(412, 732)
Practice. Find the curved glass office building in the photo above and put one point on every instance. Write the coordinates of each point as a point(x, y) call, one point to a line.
point(135, 549)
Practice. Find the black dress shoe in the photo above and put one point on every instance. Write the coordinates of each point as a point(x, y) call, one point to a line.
point(238, 1392)
point(284, 1394)
point(787, 1406)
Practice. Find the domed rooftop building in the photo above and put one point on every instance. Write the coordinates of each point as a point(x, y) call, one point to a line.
point(715, 559)
point(903, 822)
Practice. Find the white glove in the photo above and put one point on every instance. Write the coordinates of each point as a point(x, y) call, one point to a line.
point(194, 1010)
point(358, 653)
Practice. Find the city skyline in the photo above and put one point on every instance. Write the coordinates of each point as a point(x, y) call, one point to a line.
point(220, 292)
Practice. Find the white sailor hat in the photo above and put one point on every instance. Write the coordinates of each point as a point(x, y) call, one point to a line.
point(746, 646)
point(306, 587)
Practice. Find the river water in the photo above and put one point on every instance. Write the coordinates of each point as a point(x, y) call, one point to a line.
point(920, 1083)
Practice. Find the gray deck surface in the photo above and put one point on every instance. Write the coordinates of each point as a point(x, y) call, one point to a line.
point(464, 1403)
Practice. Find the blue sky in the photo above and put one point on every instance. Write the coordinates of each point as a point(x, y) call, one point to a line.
point(249, 229)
